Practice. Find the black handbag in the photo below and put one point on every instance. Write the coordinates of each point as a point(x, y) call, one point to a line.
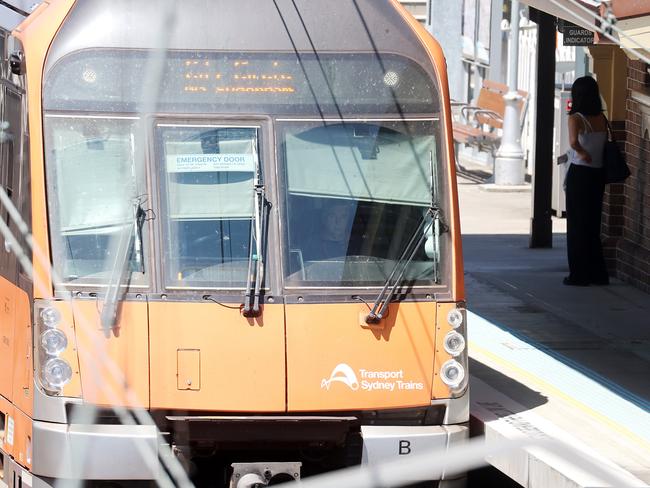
point(616, 169)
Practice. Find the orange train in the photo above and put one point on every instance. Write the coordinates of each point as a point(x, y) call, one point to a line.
point(245, 241)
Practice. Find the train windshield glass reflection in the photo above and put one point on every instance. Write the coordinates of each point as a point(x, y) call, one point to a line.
point(355, 192)
point(208, 185)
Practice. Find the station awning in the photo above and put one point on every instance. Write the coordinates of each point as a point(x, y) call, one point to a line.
point(634, 21)
point(571, 10)
point(633, 18)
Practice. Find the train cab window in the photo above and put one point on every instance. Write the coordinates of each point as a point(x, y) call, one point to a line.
point(207, 174)
point(95, 189)
point(355, 193)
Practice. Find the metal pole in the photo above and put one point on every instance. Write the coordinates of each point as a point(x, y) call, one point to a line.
point(509, 162)
point(475, 63)
point(513, 47)
point(541, 235)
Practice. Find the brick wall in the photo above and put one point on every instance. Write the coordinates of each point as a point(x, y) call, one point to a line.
point(613, 208)
point(627, 206)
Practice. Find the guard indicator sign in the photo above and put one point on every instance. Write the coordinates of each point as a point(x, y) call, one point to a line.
point(574, 35)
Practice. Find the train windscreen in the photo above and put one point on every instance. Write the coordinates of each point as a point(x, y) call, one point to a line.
point(207, 175)
point(359, 151)
point(96, 196)
point(355, 194)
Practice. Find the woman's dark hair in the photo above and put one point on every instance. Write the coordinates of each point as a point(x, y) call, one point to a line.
point(585, 97)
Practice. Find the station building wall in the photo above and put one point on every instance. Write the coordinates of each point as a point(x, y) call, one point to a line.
point(629, 203)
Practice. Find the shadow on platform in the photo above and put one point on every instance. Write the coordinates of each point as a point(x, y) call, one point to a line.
point(600, 331)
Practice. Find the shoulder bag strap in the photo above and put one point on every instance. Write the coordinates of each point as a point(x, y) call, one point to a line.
point(610, 131)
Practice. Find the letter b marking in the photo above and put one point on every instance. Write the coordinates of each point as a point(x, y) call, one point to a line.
point(404, 448)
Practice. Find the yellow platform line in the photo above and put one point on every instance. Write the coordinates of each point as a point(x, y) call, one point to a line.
point(545, 387)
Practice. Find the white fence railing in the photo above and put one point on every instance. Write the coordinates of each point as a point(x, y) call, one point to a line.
point(527, 81)
point(565, 73)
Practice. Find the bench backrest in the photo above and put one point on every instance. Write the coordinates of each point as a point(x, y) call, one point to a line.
point(491, 98)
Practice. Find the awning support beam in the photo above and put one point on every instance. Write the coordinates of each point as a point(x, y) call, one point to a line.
point(541, 224)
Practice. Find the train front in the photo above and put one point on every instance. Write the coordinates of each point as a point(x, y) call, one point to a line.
point(253, 226)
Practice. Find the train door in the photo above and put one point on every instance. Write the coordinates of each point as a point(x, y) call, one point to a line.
point(206, 352)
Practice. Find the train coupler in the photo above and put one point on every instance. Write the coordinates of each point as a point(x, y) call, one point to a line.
point(259, 475)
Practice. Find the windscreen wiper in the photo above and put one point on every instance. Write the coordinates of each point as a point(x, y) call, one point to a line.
point(140, 218)
point(432, 219)
point(121, 272)
point(255, 275)
point(380, 307)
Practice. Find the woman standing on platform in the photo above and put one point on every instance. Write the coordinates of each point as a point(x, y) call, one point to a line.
point(585, 185)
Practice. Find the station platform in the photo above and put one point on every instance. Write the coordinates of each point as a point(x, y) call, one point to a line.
point(549, 361)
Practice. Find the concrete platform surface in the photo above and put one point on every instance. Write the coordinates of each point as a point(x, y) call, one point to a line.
point(567, 363)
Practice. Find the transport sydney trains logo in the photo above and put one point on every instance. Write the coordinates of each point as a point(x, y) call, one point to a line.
point(342, 373)
point(370, 380)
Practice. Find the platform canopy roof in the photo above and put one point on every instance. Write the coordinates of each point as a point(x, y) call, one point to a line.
point(571, 10)
point(633, 18)
point(634, 21)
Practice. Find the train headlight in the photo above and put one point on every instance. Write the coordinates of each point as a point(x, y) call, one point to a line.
point(50, 317)
point(454, 343)
point(452, 373)
point(53, 342)
point(455, 318)
point(89, 75)
point(391, 79)
point(56, 373)
point(53, 337)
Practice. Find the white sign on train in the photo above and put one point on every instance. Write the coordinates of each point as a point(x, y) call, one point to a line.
point(201, 163)
point(369, 380)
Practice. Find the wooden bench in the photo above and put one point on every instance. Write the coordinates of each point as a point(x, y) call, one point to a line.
point(480, 125)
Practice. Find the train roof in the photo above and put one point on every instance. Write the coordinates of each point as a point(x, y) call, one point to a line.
point(240, 26)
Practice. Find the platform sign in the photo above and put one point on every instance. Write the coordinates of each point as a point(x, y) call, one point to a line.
point(574, 35)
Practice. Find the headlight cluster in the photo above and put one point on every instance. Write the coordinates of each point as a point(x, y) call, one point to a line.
point(55, 372)
point(454, 371)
